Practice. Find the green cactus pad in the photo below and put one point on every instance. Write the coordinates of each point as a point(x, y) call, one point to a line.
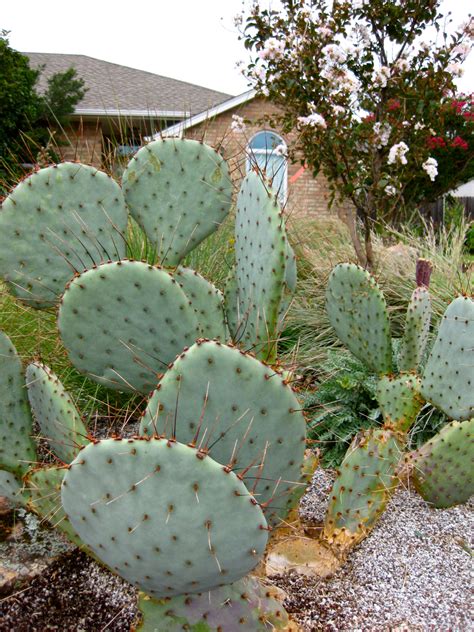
point(400, 400)
point(123, 323)
point(448, 380)
point(11, 488)
point(56, 221)
point(207, 302)
point(17, 448)
point(44, 489)
point(417, 327)
point(179, 191)
point(242, 410)
point(364, 484)
point(261, 249)
point(289, 285)
point(163, 516)
point(235, 321)
point(357, 311)
point(443, 467)
point(244, 606)
point(59, 421)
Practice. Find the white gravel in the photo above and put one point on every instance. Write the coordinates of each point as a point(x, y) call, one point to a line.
point(413, 573)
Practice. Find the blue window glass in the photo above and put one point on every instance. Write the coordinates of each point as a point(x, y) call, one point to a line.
point(272, 164)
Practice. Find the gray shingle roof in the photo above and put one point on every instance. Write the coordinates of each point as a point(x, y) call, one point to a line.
point(112, 87)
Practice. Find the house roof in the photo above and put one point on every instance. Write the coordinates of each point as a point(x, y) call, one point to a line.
point(114, 89)
point(208, 113)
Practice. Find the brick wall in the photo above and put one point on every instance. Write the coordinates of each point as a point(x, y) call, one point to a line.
point(83, 142)
point(307, 196)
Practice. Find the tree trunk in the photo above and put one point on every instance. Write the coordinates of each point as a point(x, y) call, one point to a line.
point(349, 217)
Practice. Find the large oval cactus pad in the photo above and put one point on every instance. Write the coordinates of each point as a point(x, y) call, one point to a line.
point(358, 312)
point(57, 221)
point(122, 323)
point(17, 448)
point(242, 410)
point(59, 420)
point(244, 606)
point(261, 257)
point(448, 379)
point(179, 191)
point(165, 517)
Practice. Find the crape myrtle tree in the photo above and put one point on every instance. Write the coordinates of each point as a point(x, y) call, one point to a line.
point(370, 87)
point(26, 117)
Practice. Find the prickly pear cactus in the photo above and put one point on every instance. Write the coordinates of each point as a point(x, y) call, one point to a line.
point(261, 249)
point(364, 484)
point(11, 488)
point(448, 379)
point(122, 323)
point(163, 515)
point(244, 606)
point(59, 420)
point(207, 302)
point(417, 327)
point(442, 468)
point(59, 220)
point(17, 448)
point(358, 312)
point(180, 192)
point(221, 399)
point(400, 400)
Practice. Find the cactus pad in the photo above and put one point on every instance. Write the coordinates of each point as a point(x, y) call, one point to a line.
point(164, 516)
point(226, 400)
point(59, 421)
point(11, 488)
point(364, 484)
point(400, 400)
point(448, 380)
point(261, 249)
point(443, 467)
point(207, 302)
point(179, 191)
point(417, 327)
point(17, 448)
point(244, 606)
point(123, 323)
point(56, 221)
point(357, 311)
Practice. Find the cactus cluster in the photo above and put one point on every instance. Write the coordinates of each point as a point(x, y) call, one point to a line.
point(441, 470)
point(186, 506)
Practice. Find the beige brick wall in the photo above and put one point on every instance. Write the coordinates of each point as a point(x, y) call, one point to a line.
point(307, 196)
point(83, 143)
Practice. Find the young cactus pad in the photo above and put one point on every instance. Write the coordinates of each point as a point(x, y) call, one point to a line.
point(163, 515)
point(442, 469)
point(261, 255)
point(220, 398)
point(364, 484)
point(207, 302)
point(57, 221)
point(358, 312)
point(59, 421)
point(417, 327)
point(448, 380)
point(179, 191)
point(124, 322)
point(400, 400)
point(244, 606)
point(17, 448)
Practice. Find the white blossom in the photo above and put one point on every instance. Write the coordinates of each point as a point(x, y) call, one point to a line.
point(402, 64)
point(397, 154)
point(467, 27)
point(238, 20)
point(380, 77)
point(419, 126)
point(431, 168)
point(462, 50)
point(334, 54)
point(280, 150)
point(455, 69)
point(313, 120)
point(237, 124)
point(390, 190)
point(324, 30)
point(406, 123)
point(273, 49)
point(382, 133)
point(338, 109)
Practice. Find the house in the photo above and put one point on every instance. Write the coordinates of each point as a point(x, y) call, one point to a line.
point(258, 145)
point(122, 105)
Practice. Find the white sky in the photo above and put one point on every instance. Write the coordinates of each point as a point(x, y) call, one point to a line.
point(192, 40)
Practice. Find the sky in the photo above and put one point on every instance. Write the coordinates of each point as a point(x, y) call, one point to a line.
point(191, 40)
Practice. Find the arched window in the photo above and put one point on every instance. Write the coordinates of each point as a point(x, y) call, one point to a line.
point(267, 151)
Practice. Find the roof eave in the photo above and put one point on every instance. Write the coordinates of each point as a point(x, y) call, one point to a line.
point(118, 113)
